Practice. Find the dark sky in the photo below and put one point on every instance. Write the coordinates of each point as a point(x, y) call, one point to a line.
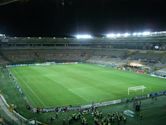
point(67, 17)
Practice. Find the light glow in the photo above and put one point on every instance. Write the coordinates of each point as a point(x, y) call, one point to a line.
point(2, 35)
point(112, 35)
point(146, 33)
point(126, 34)
point(139, 34)
point(83, 36)
point(134, 34)
point(118, 35)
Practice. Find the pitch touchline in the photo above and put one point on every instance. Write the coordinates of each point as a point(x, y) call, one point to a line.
point(33, 92)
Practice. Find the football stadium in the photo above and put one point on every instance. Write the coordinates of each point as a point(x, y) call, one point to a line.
point(82, 62)
point(117, 79)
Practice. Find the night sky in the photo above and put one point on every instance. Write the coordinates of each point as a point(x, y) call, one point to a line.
point(68, 17)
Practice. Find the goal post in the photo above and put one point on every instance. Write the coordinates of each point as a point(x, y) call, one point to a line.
point(136, 88)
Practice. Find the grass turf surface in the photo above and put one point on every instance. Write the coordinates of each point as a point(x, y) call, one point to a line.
point(76, 84)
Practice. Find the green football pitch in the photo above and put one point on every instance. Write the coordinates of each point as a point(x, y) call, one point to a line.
point(77, 84)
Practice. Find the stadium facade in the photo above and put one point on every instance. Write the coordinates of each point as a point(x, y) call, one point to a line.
point(32, 49)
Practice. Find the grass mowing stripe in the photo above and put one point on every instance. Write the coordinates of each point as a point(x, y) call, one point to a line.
point(29, 88)
point(71, 84)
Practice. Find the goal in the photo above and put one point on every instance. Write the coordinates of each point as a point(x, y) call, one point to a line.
point(136, 88)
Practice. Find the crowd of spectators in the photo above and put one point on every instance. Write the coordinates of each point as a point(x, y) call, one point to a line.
point(32, 56)
point(98, 118)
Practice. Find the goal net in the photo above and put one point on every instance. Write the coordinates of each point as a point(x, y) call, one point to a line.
point(136, 88)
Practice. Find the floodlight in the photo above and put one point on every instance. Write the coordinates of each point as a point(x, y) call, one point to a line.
point(156, 47)
point(155, 33)
point(161, 32)
point(134, 34)
point(118, 35)
point(112, 35)
point(1, 35)
point(146, 33)
point(83, 36)
point(139, 34)
point(126, 34)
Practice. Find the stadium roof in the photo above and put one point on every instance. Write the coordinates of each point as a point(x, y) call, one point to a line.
point(111, 35)
point(5, 2)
